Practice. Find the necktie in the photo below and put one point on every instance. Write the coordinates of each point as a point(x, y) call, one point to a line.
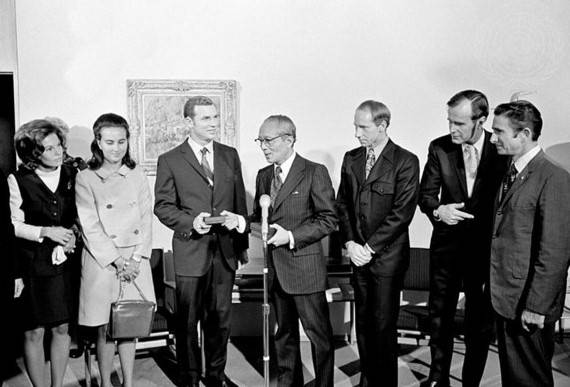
point(276, 184)
point(508, 180)
point(370, 161)
point(471, 158)
point(206, 166)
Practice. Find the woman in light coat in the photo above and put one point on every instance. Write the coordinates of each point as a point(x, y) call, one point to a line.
point(115, 211)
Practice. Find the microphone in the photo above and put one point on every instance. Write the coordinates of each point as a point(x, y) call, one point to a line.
point(264, 202)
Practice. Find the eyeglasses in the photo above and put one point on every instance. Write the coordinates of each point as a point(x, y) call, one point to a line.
point(268, 141)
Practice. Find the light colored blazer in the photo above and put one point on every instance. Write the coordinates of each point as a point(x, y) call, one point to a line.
point(530, 248)
point(115, 210)
point(115, 213)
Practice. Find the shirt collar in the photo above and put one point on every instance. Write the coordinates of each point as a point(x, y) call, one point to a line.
point(478, 144)
point(379, 148)
point(286, 165)
point(41, 173)
point(106, 173)
point(523, 161)
point(197, 148)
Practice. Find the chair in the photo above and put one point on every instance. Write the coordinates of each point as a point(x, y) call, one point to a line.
point(413, 319)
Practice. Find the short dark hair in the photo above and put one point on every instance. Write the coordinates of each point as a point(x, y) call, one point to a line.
point(378, 110)
point(104, 121)
point(479, 102)
point(522, 114)
point(284, 123)
point(28, 141)
point(192, 102)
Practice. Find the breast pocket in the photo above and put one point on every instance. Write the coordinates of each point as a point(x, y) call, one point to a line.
point(383, 188)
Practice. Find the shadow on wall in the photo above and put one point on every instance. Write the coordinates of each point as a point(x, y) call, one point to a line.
point(560, 153)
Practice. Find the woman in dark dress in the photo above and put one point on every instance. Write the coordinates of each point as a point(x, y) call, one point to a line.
point(42, 203)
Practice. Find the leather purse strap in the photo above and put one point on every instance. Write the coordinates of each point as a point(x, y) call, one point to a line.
point(122, 291)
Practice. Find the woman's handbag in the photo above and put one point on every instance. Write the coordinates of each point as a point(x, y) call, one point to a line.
point(130, 318)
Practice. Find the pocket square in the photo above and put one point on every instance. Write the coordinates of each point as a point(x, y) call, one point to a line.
point(295, 193)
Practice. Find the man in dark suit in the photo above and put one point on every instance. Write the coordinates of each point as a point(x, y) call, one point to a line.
point(301, 214)
point(198, 179)
point(458, 186)
point(530, 249)
point(10, 287)
point(376, 201)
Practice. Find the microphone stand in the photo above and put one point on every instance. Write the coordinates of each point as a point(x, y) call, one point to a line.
point(265, 309)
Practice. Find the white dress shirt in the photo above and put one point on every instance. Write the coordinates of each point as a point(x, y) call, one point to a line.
point(479, 147)
point(523, 161)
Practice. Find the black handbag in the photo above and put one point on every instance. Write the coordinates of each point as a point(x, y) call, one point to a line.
point(130, 318)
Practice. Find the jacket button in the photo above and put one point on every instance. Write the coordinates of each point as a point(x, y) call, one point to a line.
point(113, 236)
point(109, 206)
point(136, 232)
point(54, 214)
point(54, 202)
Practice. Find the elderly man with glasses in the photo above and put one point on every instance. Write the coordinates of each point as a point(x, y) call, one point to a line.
point(301, 214)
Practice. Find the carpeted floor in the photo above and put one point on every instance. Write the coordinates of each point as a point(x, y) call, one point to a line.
point(157, 367)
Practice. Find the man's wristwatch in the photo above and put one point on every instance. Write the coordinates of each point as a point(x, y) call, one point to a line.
point(436, 215)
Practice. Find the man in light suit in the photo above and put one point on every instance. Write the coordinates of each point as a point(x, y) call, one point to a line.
point(198, 179)
point(376, 201)
point(458, 186)
point(530, 250)
point(301, 214)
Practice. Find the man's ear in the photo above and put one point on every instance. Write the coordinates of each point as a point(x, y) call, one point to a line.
point(482, 120)
point(527, 133)
point(189, 121)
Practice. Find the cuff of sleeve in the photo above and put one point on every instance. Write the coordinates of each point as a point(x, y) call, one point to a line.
point(241, 224)
point(369, 249)
point(291, 240)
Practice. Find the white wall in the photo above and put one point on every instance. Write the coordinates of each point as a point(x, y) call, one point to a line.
point(312, 60)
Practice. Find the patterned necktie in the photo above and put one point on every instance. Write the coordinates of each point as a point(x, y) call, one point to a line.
point(508, 180)
point(276, 184)
point(370, 161)
point(471, 158)
point(206, 166)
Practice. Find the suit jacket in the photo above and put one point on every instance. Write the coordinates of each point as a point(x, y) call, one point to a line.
point(7, 245)
point(379, 209)
point(443, 182)
point(530, 248)
point(304, 206)
point(182, 191)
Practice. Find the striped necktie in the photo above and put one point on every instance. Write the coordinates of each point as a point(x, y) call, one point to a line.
point(206, 166)
point(276, 184)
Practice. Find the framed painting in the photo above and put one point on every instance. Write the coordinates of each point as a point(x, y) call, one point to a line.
point(155, 111)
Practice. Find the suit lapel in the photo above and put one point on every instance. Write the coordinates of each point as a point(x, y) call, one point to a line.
point(296, 173)
point(359, 165)
point(522, 178)
point(456, 162)
point(383, 165)
point(222, 168)
point(190, 157)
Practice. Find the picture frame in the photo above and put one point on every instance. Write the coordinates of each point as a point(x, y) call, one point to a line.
point(155, 112)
